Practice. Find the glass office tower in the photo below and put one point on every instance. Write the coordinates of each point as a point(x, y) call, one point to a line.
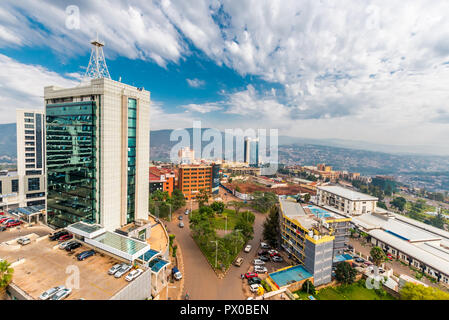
point(71, 163)
point(131, 187)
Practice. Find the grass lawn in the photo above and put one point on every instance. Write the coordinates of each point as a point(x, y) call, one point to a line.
point(355, 291)
point(219, 221)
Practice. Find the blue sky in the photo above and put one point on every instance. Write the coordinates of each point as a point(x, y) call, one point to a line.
point(373, 71)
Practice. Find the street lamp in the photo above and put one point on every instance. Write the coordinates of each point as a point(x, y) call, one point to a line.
point(216, 252)
point(237, 230)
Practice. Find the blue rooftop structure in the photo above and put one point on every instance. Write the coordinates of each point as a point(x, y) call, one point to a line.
point(157, 264)
point(342, 257)
point(148, 255)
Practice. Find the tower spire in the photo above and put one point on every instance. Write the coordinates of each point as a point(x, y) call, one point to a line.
point(97, 64)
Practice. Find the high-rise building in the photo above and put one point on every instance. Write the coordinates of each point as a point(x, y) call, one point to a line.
point(251, 152)
point(30, 127)
point(196, 177)
point(97, 139)
point(186, 155)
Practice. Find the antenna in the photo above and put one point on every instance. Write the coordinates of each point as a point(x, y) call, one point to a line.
point(97, 68)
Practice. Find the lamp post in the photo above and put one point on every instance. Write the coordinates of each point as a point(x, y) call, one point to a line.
point(216, 252)
point(237, 230)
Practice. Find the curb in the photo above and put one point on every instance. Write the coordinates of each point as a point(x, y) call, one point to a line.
point(180, 263)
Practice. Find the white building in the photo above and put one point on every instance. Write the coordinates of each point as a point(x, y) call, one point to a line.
point(345, 201)
point(30, 125)
point(97, 138)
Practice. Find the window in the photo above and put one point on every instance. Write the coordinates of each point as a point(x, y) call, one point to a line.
point(15, 185)
point(29, 138)
point(29, 143)
point(33, 184)
point(28, 120)
point(27, 114)
point(33, 172)
point(29, 154)
point(29, 131)
point(1, 188)
point(29, 160)
point(35, 195)
point(29, 166)
point(29, 126)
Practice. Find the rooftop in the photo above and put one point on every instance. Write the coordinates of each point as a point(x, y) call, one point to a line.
point(348, 193)
point(290, 275)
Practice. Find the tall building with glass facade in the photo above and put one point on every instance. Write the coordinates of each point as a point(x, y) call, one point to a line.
point(251, 152)
point(97, 142)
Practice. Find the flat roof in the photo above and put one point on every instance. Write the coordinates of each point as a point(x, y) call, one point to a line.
point(348, 193)
point(124, 247)
point(86, 230)
point(295, 211)
point(419, 251)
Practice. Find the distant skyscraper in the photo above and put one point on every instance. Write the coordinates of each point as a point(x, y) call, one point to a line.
point(97, 138)
point(186, 156)
point(31, 156)
point(251, 152)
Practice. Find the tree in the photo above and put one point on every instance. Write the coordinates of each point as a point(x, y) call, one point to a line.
point(377, 255)
point(271, 230)
point(177, 199)
point(207, 211)
point(6, 273)
point(308, 287)
point(307, 198)
point(202, 197)
point(246, 228)
point(345, 273)
point(263, 201)
point(399, 203)
point(411, 291)
point(218, 206)
point(237, 205)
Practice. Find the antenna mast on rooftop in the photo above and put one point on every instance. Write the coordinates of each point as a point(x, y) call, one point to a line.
point(97, 68)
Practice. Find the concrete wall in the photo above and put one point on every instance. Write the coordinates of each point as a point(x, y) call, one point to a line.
point(138, 289)
point(318, 261)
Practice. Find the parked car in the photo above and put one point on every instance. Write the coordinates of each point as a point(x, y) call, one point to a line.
point(260, 269)
point(248, 248)
point(181, 224)
point(264, 245)
point(180, 218)
point(13, 223)
point(64, 245)
point(254, 287)
point(123, 269)
point(58, 234)
point(24, 241)
point(263, 253)
point(264, 258)
point(359, 260)
point(65, 237)
point(187, 212)
point(73, 246)
point(258, 262)
point(61, 294)
point(133, 274)
point(238, 262)
point(4, 219)
point(254, 280)
point(273, 252)
point(176, 273)
point(114, 268)
point(277, 259)
point(47, 294)
point(2, 228)
point(85, 254)
point(251, 275)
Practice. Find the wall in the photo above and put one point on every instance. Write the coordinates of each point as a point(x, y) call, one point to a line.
point(138, 289)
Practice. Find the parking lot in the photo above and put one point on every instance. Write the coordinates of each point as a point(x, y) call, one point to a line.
point(45, 266)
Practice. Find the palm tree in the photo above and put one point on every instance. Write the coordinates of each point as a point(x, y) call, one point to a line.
point(5, 274)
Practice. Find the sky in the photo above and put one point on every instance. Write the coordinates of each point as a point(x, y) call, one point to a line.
point(374, 71)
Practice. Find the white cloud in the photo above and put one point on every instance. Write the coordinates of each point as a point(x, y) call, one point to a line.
point(22, 86)
point(196, 83)
point(203, 108)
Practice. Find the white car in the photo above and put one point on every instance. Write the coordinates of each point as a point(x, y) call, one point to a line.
point(23, 241)
point(186, 212)
point(258, 262)
point(248, 248)
point(61, 294)
point(124, 269)
point(260, 269)
point(133, 274)
point(254, 287)
point(65, 244)
point(114, 268)
point(47, 294)
point(264, 245)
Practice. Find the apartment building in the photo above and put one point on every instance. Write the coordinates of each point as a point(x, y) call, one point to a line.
point(193, 178)
point(345, 201)
point(162, 179)
point(314, 237)
point(97, 142)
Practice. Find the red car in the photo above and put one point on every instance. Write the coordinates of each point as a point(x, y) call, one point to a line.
point(4, 219)
point(13, 223)
point(274, 254)
point(251, 275)
point(65, 237)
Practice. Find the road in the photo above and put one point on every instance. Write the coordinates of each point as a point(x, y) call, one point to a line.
point(201, 282)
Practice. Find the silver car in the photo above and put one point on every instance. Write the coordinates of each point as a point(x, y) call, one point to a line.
point(124, 269)
point(23, 241)
point(50, 292)
point(61, 294)
point(115, 268)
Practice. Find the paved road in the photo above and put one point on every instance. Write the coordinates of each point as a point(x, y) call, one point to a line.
point(201, 282)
